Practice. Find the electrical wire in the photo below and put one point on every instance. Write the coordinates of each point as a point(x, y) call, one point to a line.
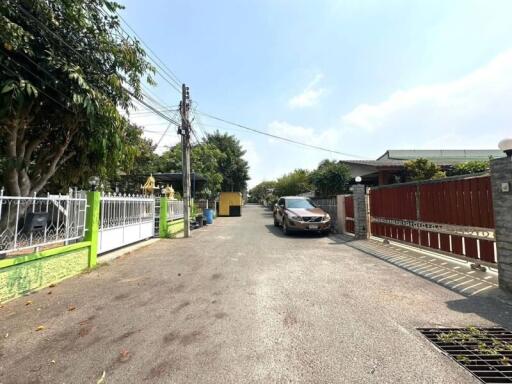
point(332, 151)
point(171, 78)
point(131, 93)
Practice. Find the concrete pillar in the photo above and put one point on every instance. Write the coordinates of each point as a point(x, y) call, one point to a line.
point(501, 180)
point(163, 230)
point(92, 225)
point(360, 212)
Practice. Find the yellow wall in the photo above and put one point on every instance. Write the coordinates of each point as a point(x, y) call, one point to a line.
point(227, 199)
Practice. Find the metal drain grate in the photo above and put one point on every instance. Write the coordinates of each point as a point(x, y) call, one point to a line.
point(485, 352)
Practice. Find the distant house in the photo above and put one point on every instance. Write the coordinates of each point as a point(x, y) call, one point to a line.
point(390, 167)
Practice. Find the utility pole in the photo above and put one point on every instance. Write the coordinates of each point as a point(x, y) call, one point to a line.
point(185, 155)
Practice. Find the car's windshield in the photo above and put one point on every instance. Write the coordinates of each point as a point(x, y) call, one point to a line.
point(299, 203)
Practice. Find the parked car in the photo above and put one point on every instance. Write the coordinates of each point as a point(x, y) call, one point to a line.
point(295, 213)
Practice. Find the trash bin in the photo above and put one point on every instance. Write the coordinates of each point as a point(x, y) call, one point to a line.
point(208, 214)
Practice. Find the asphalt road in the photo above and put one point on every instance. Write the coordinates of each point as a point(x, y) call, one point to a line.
point(237, 303)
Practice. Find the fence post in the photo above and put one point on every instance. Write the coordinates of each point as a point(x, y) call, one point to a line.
point(92, 225)
point(360, 211)
point(501, 179)
point(162, 223)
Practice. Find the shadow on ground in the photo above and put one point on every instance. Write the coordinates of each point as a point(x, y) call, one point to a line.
point(492, 304)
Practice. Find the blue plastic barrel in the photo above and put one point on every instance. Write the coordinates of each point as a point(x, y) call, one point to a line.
point(208, 214)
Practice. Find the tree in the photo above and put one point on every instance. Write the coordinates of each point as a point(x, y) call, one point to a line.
point(470, 167)
point(294, 183)
point(66, 76)
point(233, 167)
point(205, 160)
point(260, 191)
point(331, 178)
point(423, 169)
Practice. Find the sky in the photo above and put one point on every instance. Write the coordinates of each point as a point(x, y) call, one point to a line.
point(356, 77)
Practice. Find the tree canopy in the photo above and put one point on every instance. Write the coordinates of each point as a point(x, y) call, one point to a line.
point(294, 183)
point(205, 160)
point(331, 178)
point(470, 167)
point(260, 191)
point(66, 77)
point(233, 167)
point(423, 169)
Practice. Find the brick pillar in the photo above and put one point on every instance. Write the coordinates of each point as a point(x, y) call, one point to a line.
point(360, 212)
point(501, 180)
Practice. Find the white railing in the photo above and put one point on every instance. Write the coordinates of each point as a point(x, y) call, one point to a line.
point(122, 210)
point(38, 222)
point(125, 219)
point(174, 209)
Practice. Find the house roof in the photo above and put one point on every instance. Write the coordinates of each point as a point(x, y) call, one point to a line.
point(442, 156)
point(394, 159)
point(376, 163)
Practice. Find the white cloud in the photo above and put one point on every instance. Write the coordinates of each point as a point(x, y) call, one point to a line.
point(309, 96)
point(473, 111)
point(251, 153)
point(326, 138)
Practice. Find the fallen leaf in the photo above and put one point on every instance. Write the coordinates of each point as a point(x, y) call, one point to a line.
point(124, 355)
point(40, 328)
point(71, 308)
point(28, 302)
point(52, 285)
point(53, 361)
point(49, 292)
point(102, 378)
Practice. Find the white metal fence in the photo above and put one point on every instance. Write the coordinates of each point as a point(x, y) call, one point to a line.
point(125, 219)
point(174, 209)
point(38, 222)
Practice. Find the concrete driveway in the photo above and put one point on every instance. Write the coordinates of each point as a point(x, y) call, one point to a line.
point(239, 303)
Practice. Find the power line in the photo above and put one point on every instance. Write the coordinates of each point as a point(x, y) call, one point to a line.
point(39, 90)
point(79, 54)
point(278, 137)
point(172, 74)
point(156, 111)
point(171, 78)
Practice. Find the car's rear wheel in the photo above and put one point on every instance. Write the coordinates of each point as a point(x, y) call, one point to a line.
point(286, 231)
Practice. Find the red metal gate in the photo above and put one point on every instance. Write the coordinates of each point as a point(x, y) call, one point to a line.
point(349, 214)
point(453, 215)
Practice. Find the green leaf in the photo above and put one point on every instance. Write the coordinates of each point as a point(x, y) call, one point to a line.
point(8, 87)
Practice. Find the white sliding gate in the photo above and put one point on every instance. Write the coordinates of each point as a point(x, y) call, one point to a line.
point(125, 220)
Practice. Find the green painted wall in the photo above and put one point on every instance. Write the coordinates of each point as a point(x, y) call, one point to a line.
point(18, 279)
point(175, 227)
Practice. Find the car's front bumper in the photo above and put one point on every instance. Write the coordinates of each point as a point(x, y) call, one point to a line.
point(322, 226)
